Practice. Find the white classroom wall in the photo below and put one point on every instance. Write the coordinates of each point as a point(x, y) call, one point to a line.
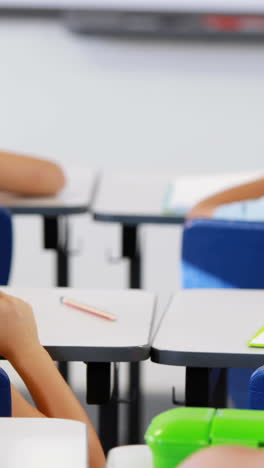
point(118, 104)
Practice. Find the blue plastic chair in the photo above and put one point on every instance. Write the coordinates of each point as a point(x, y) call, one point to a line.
point(225, 254)
point(256, 389)
point(6, 243)
point(5, 395)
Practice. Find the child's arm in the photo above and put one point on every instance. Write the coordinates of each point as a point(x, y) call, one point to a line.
point(206, 208)
point(29, 176)
point(19, 344)
point(21, 408)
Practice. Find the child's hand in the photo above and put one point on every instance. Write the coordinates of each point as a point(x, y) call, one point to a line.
point(18, 330)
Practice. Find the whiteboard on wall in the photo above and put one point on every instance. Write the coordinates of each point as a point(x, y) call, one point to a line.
point(241, 6)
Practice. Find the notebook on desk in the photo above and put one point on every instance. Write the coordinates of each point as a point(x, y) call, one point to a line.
point(184, 192)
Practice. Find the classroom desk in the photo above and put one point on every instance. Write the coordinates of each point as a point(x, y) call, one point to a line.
point(76, 198)
point(139, 198)
point(132, 200)
point(204, 330)
point(134, 456)
point(71, 335)
point(41, 442)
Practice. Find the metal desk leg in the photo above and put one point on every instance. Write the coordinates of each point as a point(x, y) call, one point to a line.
point(131, 250)
point(56, 237)
point(206, 387)
point(99, 392)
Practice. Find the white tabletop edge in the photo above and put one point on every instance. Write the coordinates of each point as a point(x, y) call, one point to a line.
point(76, 198)
point(84, 337)
point(210, 328)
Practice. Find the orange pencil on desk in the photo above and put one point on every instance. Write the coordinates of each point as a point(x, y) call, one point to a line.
point(85, 308)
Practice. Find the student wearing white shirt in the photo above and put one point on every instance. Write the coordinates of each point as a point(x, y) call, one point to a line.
point(19, 344)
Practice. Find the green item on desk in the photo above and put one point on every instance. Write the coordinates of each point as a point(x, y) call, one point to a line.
point(176, 434)
point(257, 341)
point(238, 427)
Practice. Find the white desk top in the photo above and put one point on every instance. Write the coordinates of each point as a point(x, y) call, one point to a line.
point(72, 335)
point(141, 197)
point(74, 199)
point(210, 328)
point(134, 456)
point(135, 197)
point(42, 443)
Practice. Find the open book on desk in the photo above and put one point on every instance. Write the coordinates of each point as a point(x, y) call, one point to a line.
point(185, 191)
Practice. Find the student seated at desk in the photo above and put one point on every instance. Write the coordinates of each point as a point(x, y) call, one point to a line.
point(244, 202)
point(28, 176)
point(19, 344)
point(226, 457)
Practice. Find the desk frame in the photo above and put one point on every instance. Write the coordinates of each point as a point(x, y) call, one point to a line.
point(130, 250)
point(204, 386)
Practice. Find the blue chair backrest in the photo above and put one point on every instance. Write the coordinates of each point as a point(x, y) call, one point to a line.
point(225, 254)
point(256, 389)
point(6, 242)
point(5, 395)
